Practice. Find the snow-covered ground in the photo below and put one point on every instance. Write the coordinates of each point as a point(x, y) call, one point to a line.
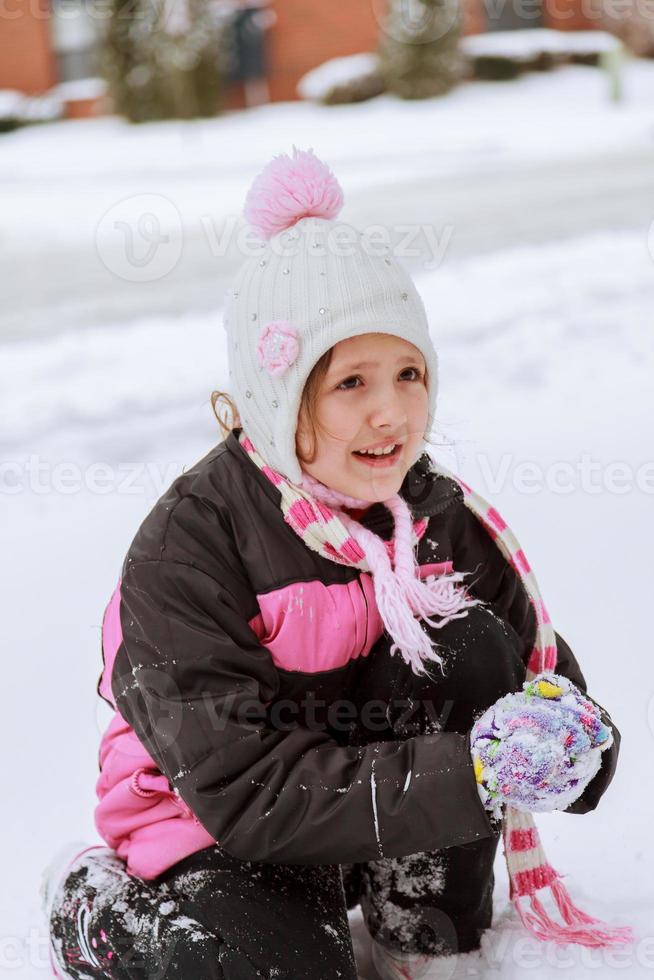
point(82, 167)
point(546, 407)
point(489, 165)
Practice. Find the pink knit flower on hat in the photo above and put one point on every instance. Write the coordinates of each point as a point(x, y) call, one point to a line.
point(277, 347)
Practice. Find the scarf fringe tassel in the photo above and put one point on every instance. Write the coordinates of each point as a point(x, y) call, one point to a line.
point(580, 928)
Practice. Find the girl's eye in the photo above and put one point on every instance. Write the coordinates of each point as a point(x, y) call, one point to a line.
point(417, 375)
point(346, 386)
point(343, 386)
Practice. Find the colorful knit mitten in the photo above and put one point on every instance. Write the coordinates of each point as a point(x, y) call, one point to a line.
point(538, 749)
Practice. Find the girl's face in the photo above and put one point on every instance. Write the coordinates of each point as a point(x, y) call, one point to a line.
point(373, 396)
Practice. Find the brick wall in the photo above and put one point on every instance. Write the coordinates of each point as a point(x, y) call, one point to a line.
point(568, 15)
point(474, 17)
point(26, 59)
point(309, 32)
point(561, 15)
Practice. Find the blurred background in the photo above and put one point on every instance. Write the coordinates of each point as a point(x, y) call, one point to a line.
point(506, 147)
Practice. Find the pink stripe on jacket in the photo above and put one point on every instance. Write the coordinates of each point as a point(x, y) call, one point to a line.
point(139, 814)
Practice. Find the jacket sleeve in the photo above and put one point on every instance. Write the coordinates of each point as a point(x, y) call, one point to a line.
point(495, 581)
point(194, 682)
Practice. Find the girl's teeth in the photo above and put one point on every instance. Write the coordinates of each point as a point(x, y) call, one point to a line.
point(377, 452)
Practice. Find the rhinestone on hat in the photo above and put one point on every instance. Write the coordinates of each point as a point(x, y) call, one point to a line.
point(254, 316)
point(323, 309)
point(405, 295)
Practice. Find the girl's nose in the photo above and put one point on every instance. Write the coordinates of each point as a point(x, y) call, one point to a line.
point(389, 412)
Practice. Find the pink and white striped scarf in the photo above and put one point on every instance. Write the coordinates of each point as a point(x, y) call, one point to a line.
point(315, 513)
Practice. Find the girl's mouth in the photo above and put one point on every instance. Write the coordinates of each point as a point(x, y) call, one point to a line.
point(379, 460)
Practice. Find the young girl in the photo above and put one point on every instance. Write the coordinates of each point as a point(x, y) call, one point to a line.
point(328, 659)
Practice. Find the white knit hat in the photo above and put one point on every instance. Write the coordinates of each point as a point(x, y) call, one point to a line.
point(315, 282)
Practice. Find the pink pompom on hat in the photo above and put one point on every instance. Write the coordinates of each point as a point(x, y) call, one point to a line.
point(289, 189)
point(324, 281)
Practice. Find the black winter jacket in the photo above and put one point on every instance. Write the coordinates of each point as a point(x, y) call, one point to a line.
point(226, 615)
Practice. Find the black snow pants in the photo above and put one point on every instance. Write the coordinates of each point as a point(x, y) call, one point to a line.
point(212, 916)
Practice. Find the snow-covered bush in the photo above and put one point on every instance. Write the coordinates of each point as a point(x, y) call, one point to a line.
point(17, 109)
point(11, 109)
point(165, 60)
point(499, 55)
point(353, 78)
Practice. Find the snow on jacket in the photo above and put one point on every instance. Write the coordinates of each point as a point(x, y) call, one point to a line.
point(220, 615)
